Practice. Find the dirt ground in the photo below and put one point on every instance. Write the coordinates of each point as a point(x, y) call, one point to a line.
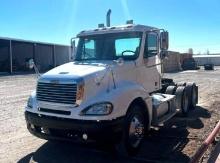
point(176, 141)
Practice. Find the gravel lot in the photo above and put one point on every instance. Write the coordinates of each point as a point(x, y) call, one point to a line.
point(176, 141)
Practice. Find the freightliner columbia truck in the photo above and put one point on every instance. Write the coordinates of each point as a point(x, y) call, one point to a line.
point(113, 91)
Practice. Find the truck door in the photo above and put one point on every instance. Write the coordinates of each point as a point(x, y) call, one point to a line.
point(151, 69)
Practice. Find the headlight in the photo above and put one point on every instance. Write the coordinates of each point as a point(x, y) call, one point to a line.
point(80, 93)
point(30, 102)
point(104, 108)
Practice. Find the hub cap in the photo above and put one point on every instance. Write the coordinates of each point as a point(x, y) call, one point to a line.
point(136, 131)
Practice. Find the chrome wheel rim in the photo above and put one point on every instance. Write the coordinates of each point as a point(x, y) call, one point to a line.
point(136, 131)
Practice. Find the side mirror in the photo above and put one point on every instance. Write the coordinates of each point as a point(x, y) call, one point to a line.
point(73, 47)
point(163, 54)
point(164, 40)
point(30, 64)
point(73, 43)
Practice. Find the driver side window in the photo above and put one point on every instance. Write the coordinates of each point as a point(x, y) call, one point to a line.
point(150, 49)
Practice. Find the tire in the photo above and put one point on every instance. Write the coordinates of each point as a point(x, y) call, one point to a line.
point(181, 84)
point(135, 127)
point(192, 94)
point(182, 100)
point(170, 90)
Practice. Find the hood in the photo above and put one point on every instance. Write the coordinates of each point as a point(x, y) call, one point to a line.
point(74, 70)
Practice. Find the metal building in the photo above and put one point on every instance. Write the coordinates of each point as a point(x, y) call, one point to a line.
point(207, 59)
point(15, 53)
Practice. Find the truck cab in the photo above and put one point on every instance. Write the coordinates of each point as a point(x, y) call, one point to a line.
point(112, 92)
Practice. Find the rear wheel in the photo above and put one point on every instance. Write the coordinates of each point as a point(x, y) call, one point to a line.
point(170, 90)
point(182, 100)
point(180, 84)
point(192, 95)
point(134, 131)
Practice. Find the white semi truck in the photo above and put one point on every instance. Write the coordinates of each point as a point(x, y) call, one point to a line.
point(113, 91)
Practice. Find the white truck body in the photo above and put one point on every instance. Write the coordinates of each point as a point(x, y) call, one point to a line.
point(133, 79)
point(120, 83)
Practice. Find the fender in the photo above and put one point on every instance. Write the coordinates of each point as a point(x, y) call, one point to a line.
point(122, 97)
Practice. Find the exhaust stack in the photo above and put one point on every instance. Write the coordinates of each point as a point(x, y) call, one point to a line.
point(108, 21)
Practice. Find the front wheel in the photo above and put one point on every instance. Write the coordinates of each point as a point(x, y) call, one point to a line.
point(135, 127)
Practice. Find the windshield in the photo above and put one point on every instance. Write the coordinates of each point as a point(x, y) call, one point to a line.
point(109, 46)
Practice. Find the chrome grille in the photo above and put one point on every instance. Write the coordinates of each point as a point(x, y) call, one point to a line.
point(58, 93)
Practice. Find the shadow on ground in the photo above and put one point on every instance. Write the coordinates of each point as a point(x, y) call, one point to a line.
point(162, 145)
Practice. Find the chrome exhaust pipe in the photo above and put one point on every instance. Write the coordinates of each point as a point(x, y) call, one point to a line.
point(108, 21)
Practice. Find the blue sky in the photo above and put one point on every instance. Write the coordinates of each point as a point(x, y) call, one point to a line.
point(191, 23)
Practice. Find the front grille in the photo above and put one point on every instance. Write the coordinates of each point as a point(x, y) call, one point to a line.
point(58, 93)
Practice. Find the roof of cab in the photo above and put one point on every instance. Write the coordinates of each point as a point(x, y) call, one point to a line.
point(116, 29)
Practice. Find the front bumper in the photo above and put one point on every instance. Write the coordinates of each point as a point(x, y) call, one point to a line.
point(47, 127)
